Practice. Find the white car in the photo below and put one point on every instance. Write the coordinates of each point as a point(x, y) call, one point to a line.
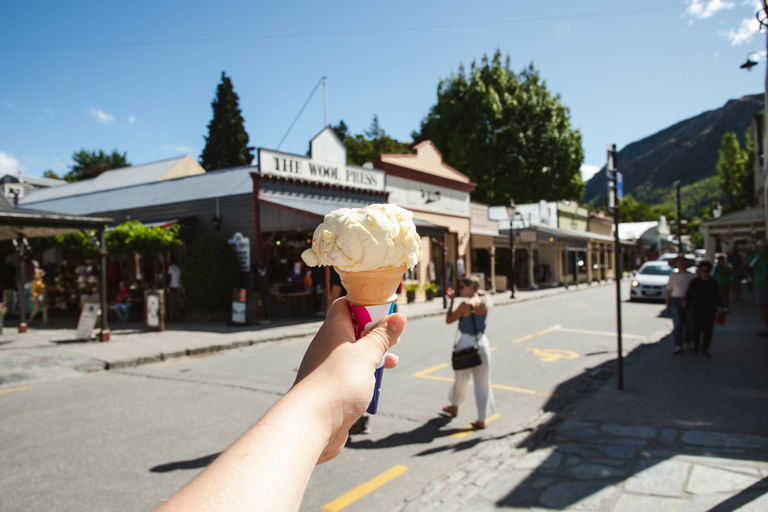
point(650, 281)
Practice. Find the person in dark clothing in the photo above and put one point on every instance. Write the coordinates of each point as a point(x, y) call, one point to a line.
point(704, 300)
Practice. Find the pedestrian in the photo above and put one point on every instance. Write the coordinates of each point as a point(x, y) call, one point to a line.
point(677, 286)
point(704, 300)
point(269, 467)
point(122, 304)
point(758, 262)
point(722, 272)
point(737, 262)
point(38, 297)
point(472, 316)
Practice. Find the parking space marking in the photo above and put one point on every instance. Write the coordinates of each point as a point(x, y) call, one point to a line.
point(598, 333)
point(172, 363)
point(468, 430)
point(11, 390)
point(548, 329)
point(549, 355)
point(296, 342)
point(424, 374)
point(523, 338)
point(368, 487)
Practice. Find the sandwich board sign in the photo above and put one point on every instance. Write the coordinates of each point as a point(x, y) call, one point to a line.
point(87, 321)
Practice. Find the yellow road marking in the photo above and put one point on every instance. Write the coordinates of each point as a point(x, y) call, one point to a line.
point(599, 333)
point(468, 430)
point(296, 342)
point(552, 354)
point(544, 331)
point(424, 374)
point(368, 487)
point(11, 390)
point(523, 338)
point(494, 349)
point(171, 363)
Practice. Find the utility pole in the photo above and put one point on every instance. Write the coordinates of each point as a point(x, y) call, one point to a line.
point(615, 195)
point(679, 219)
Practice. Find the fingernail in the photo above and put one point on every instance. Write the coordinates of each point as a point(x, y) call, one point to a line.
point(395, 325)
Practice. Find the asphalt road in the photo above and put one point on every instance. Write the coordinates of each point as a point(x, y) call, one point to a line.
point(125, 440)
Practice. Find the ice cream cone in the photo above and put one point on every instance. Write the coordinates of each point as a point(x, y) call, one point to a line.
point(372, 287)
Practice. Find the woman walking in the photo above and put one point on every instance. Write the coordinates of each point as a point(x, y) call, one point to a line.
point(704, 300)
point(471, 315)
point(676, 290)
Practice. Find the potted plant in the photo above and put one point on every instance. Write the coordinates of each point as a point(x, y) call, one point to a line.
point(431, 290)
point(410, 292)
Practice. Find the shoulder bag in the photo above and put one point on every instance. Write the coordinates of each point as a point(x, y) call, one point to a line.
point(469, 357)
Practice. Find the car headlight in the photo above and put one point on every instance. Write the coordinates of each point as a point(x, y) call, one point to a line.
point(635, 284)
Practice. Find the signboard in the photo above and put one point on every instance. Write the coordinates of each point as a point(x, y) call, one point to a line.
point(87, 321)
point(155, 305)
point(286, 165)
point(619, 186)
point(528, 236)
point(242, 247)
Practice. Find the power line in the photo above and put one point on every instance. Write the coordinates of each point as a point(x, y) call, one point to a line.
point(300, 111)
point(337, 33)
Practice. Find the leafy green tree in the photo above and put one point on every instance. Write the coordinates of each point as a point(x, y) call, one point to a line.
point(373, 142)
point(210, 269)
point(127, 238)
point(89, 164)
point(227, 142)
point(631, 210)
point(507, 132)
point(735, 172)
point(50, 174)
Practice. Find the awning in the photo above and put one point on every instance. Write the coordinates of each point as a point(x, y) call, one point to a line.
point(165, 224)
point(33, 224)
point(292, 212)
point(425, 228)
point(747, 222)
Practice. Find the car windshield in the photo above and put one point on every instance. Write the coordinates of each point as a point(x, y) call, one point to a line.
point(657, 270)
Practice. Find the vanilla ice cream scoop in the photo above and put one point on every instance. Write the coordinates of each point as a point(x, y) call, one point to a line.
point(375, 237)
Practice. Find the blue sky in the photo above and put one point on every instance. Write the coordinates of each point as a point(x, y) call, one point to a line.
point(140, 76)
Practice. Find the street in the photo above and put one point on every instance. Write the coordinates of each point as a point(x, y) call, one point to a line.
point(127, 439)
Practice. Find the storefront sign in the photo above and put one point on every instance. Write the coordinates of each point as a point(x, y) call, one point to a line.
point(242, 247)
point(528, 236)
point(287, 165)
point(87, 321)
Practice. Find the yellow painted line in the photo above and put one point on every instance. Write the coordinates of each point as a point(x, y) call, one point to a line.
point(368, 487)
point(11, 390)
point(296, 342)
point(544, 331)
point(424, 374)
point(493, 349)
point(599, 333)
point(172, 363)
point(468, 430)
point(523, 338)
point(552, 354)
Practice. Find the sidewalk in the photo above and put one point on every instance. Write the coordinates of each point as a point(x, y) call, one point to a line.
point(687, 434)
point(53, 350)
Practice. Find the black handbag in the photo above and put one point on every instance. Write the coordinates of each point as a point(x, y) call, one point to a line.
point(468, 357)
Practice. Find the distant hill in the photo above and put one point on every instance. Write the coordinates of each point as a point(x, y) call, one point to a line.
point(686, 151)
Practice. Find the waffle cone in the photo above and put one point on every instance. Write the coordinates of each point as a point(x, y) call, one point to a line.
point(372, 287)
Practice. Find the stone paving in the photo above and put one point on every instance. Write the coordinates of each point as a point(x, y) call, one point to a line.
point(605, 467)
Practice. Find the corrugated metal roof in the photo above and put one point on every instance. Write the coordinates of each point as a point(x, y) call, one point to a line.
point(108, 180)
point(227, 182)
point(33, 180)
point(635, 230)
point(754, 214)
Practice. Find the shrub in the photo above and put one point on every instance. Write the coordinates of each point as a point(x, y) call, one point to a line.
point(210, 270)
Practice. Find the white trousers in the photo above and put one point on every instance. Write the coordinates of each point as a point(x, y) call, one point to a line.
point(481, 376)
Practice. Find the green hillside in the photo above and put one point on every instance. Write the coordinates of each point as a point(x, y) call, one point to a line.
point(686, 151)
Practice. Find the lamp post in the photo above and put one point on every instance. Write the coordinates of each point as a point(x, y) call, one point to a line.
point(512, 214)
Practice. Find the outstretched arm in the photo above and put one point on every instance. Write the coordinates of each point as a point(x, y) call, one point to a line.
point(269, 467)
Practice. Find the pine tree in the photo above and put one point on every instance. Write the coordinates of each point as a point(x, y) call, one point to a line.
point(227, 142)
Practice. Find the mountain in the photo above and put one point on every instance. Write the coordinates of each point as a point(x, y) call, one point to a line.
point(686, 151)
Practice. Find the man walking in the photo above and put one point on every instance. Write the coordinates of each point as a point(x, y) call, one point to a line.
point(703, 299)
point(722, 272)
point(676, 290)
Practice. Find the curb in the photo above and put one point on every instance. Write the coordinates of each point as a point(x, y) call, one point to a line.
point(139, 361)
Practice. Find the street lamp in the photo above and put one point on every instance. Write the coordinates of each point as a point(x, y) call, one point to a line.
point(512, 214)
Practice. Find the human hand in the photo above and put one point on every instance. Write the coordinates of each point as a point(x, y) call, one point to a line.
point(337, 372)
point(450, 293)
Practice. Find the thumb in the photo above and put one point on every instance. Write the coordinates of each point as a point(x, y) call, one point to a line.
point(384, 336)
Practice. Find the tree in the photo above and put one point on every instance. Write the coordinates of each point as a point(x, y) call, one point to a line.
point(50, 174)
point(631, 210)
point(734, 168)
point(210, 269)
point(507, 133)
point(227, 142)
point(89, 164)
point(374, 142)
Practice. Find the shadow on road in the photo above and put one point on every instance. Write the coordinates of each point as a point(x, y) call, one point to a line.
point(201, 462)
point(424, 434)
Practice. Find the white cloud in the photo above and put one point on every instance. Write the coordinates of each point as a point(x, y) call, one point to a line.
point(702, 9)
point(8, 164)
point(587, 171)
point(744, 33)
point(101, 117)
point(131, 120)
point(8, 105)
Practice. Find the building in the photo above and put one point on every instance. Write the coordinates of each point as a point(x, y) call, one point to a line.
point(489, 249)
point(18, 186)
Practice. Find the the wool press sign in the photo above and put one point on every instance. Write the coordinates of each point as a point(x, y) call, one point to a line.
point(287, 165)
